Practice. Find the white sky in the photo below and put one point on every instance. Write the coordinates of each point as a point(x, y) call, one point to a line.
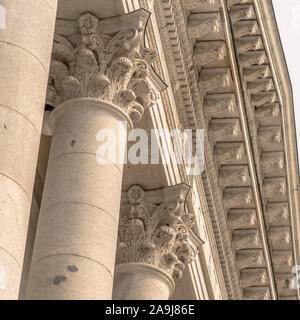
point(288, 20)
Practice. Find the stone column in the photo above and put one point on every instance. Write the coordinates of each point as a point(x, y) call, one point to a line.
point(26, 38)
point(97, 81)
point(154, 243)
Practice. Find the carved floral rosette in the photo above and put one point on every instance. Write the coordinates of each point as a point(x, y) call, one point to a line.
point(113, 69)
point(155, 234)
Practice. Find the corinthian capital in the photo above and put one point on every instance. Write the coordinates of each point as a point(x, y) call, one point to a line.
point(155, 229)
point(95, 63)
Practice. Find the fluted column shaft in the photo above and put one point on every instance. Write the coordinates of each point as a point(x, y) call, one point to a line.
point(26, 37)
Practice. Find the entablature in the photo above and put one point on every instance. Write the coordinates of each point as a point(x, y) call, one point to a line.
point(231, 84)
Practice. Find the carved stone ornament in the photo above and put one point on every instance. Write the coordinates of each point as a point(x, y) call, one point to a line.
point(156, 234)
point(112, 68)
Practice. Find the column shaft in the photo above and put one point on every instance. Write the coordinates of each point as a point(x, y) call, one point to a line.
point(138, 281)
point(25, 49)
point(75, 245)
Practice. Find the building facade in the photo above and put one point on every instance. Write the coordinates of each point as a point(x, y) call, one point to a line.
point(79, 223)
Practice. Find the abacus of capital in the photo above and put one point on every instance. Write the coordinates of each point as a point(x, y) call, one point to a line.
point(74, 223)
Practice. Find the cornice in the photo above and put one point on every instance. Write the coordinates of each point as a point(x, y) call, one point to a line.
point(284, 88)
point(251, 136)
point(248, 110)
point(271, 107)
point(228, 62)
point(231, 144)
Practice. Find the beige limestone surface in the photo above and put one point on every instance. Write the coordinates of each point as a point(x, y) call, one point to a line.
point(25, 49)
point(138, 281)
point(76, 238)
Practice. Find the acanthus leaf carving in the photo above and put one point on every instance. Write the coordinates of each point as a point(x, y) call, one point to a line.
point(155, 234)
point(114, 69)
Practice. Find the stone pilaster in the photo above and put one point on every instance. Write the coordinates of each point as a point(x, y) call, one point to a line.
point(98, 80)
point(26, 37)
point(154, 243)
